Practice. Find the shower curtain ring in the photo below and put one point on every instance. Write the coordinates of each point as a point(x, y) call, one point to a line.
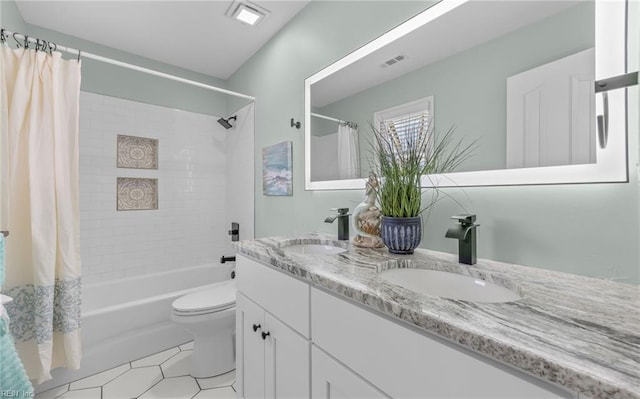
point(3, 38)
point(79, 52)
point(17, 42)
point(26, 42)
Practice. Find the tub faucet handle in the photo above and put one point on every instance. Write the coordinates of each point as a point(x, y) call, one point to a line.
point(235, 231)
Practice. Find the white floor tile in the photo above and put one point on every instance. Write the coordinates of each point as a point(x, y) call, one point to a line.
point(216, 393)
point(178, 365)
point(98, 380)
point(224, 380)
point(155, 360)
point(187, 347)
point(52, 393)
point(132, 383)
point(174, 388)
point(91, 393)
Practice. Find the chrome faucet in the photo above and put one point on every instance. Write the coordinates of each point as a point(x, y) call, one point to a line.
point(465, 233)
point(343, 222)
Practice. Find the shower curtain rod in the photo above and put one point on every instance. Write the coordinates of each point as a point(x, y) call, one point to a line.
point(329, 118)
point(333, 119)
point(111, 61)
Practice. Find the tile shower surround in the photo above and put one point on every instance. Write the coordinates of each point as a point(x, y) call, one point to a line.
point(188, 228)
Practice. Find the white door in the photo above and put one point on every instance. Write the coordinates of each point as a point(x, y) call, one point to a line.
point(551, 113)
point(287, 361)
point(333, 380)
point(249, 348)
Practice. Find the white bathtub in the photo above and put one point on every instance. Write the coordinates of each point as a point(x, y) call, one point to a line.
point(128, 319)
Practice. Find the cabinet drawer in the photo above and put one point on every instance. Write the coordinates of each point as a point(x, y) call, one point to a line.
point(282, 295)
point(408, 364)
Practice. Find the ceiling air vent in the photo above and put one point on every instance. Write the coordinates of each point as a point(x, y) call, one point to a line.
point(392, 61)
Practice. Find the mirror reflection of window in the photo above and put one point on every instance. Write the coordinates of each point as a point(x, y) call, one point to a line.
point(406, 123)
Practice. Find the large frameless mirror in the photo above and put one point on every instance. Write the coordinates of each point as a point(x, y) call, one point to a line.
point(515, 77)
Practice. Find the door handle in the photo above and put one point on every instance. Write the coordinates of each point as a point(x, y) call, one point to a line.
point(603, 122)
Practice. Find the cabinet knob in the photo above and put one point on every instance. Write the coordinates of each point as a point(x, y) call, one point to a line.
point(265, 334)
point(255, 327)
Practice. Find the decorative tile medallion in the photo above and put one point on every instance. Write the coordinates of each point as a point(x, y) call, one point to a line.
point(137, 194)
point(137, 152)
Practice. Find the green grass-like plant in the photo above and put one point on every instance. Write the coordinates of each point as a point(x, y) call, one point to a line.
point(399, 167)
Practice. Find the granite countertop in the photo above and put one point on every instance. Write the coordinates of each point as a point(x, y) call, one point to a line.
point(578, 332)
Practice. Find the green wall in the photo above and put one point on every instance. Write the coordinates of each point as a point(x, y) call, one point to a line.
point(10, 17)
point(98, 77)
point(589, 229)
point(470, 88)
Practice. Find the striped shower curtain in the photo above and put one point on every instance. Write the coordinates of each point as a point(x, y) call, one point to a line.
point(39, 95)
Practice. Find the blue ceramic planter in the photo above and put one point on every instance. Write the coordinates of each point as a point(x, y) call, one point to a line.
point(401, 235)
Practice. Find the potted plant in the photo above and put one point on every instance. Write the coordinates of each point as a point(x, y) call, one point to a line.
point(403, 152)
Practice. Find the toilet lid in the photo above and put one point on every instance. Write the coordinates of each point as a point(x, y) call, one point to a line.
point(220, 297)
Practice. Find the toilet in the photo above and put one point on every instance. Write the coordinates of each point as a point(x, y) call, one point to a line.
point(210, 315)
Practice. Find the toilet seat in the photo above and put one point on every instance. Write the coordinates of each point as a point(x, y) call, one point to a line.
point(218, 298)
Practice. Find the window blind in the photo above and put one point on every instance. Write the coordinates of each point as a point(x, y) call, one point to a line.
point(406, 129)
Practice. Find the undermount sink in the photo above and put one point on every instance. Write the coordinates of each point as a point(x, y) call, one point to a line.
point(449, 285)
point(314, 249)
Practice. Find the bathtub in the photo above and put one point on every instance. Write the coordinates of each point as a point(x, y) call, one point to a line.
point(127, 319)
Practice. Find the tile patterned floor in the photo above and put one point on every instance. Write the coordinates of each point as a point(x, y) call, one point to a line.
point(163, 375)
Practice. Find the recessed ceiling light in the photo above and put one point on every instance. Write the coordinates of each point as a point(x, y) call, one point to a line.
point(247, 12)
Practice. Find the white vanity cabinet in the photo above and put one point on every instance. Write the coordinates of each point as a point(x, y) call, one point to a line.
point(298, 341)
point(272, 333)
point(404, 363)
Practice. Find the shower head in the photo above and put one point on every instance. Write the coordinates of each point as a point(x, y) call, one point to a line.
point(226, 123)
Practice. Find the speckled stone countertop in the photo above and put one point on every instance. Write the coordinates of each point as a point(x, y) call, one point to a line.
point(578, 332)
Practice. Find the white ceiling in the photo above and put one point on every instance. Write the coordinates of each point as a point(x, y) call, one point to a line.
point(194, 35)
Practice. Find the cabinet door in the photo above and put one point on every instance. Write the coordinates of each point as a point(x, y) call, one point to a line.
point(286, 361)
point(407, 364)
point(249, 348)
point(333, 380)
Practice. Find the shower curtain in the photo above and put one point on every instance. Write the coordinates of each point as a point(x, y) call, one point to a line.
point(348, 152)
point(39, 95)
